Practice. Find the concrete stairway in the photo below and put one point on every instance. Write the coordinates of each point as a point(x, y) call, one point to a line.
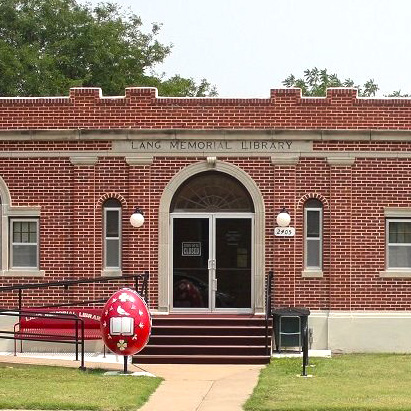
point(207, 339)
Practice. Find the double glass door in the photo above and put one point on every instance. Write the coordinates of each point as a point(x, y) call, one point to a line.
point(212, 262)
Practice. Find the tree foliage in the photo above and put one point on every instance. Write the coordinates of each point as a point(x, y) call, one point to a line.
point(398, 93)
point(316, 81)
point(48, 46)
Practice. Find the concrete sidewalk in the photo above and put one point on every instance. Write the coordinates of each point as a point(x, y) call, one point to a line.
point(201, 387)
point(186, 387)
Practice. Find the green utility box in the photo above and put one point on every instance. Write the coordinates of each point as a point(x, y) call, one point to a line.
point(289, 324)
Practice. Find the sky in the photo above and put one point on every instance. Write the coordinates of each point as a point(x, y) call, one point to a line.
point(245, 48)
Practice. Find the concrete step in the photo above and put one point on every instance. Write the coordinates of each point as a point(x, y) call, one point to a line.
point(200, 359)
point(206, 330)
point(208, 339)
point(229, 321)
point(222, 350)
point(244, 340)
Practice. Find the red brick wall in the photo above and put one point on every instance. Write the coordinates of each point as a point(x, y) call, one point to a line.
point(354, 197)
point(141, 109)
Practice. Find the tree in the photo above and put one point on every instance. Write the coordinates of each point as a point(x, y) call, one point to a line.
point(316, 82)
point(398, 93)
point(180, 87)
point(48, 46)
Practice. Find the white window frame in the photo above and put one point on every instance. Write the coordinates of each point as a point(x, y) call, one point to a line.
point(112, 270)
point(9, 211)
point(394, 214)
point(313, 271)
point(388, 244)
point(13, 244)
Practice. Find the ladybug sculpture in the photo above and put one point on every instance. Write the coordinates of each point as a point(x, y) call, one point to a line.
point(125, 322)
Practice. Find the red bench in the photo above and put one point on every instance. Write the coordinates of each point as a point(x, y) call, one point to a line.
point(58, 325)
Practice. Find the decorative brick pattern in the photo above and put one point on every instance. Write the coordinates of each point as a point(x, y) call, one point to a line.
point(140, 108)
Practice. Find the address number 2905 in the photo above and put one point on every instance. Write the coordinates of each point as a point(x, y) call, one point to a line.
point(284, 231)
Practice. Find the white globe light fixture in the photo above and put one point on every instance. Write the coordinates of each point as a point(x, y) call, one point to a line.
point(283, 218)
point(137, 218)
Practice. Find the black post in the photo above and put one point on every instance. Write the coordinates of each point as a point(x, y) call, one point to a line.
point(305, 349)
point(20, 298)
point(20, 304)
point(146, 277)
point(76, 336)
point(82, 367)
point(268, 310)
point(125, 364)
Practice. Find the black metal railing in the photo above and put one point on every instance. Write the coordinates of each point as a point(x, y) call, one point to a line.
point(268, 292)
point(76, 338)
point(140, 285)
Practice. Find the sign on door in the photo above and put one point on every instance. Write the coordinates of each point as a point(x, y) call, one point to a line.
point(191, 249)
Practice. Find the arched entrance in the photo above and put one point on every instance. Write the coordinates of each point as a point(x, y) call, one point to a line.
point(211, 241)
point(212, 229)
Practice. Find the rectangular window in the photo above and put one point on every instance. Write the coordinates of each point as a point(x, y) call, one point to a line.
point(24, 240)
point(399, 243)
point(313, 238)
point(112, 237)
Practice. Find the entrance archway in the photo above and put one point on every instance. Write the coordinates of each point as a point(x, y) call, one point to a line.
point(246, 217)
point(211, 251)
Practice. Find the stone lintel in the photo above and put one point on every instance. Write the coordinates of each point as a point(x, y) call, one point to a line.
point(139, 161)
point(84, 161)
point(341, 161)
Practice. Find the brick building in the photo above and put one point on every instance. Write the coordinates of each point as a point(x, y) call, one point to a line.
point(210, 176)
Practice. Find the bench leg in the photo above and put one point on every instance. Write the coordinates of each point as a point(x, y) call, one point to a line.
point(15, 347)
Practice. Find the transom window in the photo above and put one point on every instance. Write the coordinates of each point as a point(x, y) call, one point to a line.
point(212, 191)
point(313, 216)
point(399, 243)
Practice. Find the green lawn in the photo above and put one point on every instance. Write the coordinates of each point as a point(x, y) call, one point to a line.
point(346, 382)
point(48, 388)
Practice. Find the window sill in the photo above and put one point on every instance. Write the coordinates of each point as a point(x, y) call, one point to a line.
point(111, 272)
point(312, 273)
point(396, 273)
point(29, 272)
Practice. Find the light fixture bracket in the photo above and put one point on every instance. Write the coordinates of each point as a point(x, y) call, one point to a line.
point(283, 218)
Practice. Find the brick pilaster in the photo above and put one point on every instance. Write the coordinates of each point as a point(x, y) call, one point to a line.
point(84, 235)
point(340, 233)
point(139, 244)
point(284, 247)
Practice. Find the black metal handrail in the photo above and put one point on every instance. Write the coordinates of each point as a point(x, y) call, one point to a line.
point(76, 339)
point(140, 284)
point(138, 278)
point(268, 290)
